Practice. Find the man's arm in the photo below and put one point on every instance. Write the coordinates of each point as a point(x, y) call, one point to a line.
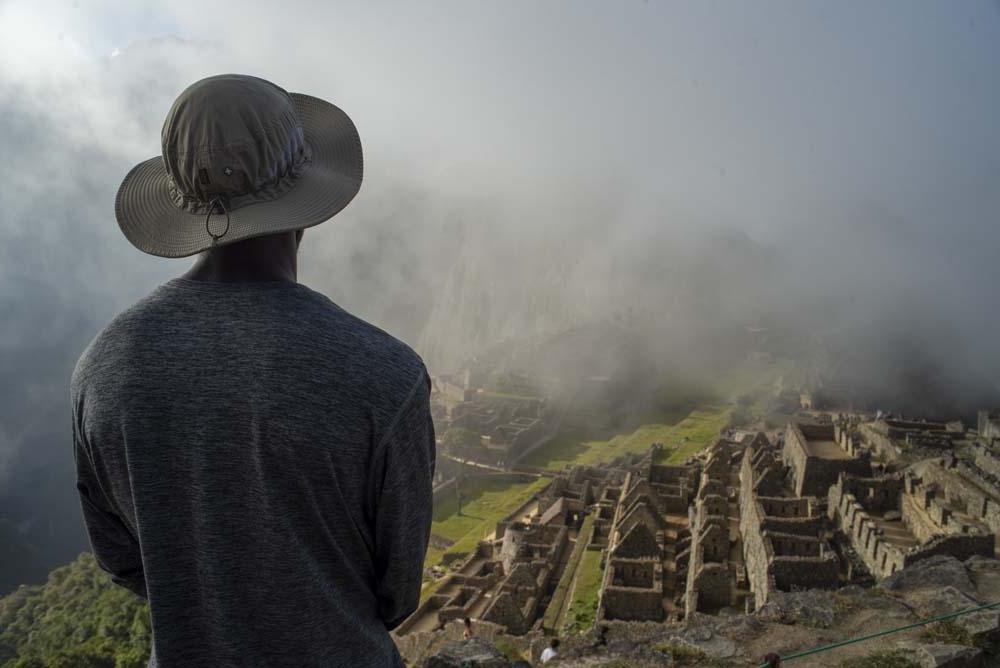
point(403, 489)
point(114, 546)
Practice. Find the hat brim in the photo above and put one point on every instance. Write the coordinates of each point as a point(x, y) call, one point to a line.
point(155, 225)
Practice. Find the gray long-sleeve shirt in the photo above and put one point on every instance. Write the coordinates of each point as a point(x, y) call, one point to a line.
point(258, 463)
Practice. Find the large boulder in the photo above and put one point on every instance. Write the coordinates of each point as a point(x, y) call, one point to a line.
point(811, 607)
point(933, 602)
point(949, 656)
point(472, 653)
point(985, 574)
point(933, 572)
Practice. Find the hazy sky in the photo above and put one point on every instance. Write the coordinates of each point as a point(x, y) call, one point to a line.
point(528, 165)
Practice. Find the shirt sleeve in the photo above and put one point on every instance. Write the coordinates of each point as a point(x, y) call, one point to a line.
point(115, 548)
point(403, 485)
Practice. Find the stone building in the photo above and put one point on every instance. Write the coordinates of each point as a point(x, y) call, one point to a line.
point(530, 555)
point(816, 459)
point(782, 533)
point(895, 520)
point(711, 573)
point(511, 427)
point(643, 577)
point(891, 438)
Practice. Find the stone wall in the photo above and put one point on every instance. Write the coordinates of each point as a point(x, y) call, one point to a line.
point(814, 474)
point(781, 553)
point(969, 486)
point(987, 459)
point(712, 586)
point(632, 604)
point(793, 573)
point(936, 534)
point(878, 439)
point(881, 557)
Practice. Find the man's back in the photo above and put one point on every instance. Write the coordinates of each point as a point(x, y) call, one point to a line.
point(259, 463)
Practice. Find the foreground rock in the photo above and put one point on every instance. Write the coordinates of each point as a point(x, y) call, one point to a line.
point(472, 653)
point(932, 573)
point(949, 656)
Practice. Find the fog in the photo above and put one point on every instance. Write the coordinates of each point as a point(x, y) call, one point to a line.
point(827, 170)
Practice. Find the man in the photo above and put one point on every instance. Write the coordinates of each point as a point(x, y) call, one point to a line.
point(251, 457)
point(550, 652)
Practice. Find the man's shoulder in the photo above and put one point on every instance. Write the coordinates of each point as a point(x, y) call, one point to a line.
point(387, 362)
point(125, 326)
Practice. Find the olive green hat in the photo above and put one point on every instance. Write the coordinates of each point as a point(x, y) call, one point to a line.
point(241, 158)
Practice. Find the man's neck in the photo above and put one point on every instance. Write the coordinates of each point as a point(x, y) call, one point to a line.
point(263, 259)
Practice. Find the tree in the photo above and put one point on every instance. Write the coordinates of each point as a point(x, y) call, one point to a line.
point(77, 619)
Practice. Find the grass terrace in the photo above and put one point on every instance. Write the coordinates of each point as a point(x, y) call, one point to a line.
point(683, 439)
point(582, 609)
point(554, 614)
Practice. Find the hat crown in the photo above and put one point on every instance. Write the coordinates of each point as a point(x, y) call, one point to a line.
point(232, 136)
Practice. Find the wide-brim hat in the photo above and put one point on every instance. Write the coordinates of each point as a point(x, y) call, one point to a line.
point(241, 158)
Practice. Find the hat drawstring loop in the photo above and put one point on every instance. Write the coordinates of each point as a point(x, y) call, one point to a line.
point(211, 209)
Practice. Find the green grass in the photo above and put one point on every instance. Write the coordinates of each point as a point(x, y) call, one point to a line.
point(553, 613)
point(693, 434)
point(485, 501)
point(682, 439)
point(881, 659)
point(583, 608)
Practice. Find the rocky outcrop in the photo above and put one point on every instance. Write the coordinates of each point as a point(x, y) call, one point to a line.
point(931, 573)
point(472, 653)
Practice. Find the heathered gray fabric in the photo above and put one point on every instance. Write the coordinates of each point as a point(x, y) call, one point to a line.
point(258, 462)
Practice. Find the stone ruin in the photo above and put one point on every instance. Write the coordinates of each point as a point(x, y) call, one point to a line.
point(512, 427)
point(649, 545)
point(895, 520)
point(891, 438)
point(509, 580)
point(712, 574)
point(816, 457)
point(782, 533)
point(815, 506)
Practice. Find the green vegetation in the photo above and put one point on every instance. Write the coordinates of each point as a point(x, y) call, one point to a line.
point(77, 619)
point(693, 434)
point(948, 632)
point(583, 608)
point(881, 659)
point(553, 613)
point(682, 440)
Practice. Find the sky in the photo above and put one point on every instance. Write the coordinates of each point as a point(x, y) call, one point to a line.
point(529, 166)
